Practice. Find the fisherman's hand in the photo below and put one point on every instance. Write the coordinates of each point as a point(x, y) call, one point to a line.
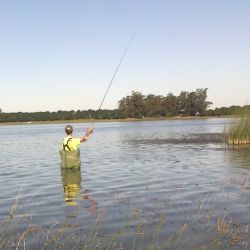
point(89, 130)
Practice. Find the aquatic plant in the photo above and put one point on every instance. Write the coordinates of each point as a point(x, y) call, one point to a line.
point(220, 229)
point(237, 132)
point(215, 231)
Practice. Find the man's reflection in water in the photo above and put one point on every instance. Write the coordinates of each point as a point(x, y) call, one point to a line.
point(71, 180)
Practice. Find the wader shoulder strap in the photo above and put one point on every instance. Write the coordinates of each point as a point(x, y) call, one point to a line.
point(66, 145)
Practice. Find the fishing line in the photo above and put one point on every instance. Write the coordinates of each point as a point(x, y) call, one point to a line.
point(113, 77)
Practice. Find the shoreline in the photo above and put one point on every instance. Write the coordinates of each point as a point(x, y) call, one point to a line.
point(115, 120)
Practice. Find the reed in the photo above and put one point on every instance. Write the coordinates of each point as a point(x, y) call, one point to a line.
point(221, 233)
point(135, 234)
point(238, 130)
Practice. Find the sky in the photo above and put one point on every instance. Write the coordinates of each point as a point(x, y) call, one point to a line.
point(61, 55)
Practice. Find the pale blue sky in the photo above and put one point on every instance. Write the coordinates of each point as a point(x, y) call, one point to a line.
point(61, 55)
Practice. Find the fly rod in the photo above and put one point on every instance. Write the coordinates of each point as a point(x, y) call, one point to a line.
point(113, 77)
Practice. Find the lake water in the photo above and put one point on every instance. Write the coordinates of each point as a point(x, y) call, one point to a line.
point(170, 184)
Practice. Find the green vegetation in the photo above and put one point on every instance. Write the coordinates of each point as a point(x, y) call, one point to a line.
point(214, 231)
point(136, 106)
point(187, 104)
point(60, 115)
point(238, 131)
point(227, 111)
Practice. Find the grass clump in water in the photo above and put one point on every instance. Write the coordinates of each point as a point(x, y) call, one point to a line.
point(238, 131)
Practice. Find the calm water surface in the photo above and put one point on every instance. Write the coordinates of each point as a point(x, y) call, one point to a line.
point(136, 177)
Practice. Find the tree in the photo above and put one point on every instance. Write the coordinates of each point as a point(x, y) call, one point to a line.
point(191, 104)
point(123, 106)
point(152, 105)
point(169, 105)
point(202, 103)
point(133, 106)
point(182, 102)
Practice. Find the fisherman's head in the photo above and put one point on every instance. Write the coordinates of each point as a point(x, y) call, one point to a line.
point(68, 129)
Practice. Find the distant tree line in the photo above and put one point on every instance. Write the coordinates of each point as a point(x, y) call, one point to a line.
point(226, 111)
point(61, 115)
point(136, 105)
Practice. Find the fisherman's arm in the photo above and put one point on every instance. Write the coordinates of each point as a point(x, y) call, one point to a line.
point(86, 136)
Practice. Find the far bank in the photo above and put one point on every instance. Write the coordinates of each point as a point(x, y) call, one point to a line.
point(117, 120)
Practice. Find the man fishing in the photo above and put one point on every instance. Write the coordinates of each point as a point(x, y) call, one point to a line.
point(70, 153)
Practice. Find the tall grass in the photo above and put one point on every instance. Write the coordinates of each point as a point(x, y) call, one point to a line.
point(214, 231)
point(220, 231)
point(238, 130)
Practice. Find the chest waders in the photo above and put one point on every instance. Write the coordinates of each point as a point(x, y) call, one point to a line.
point(69, 158)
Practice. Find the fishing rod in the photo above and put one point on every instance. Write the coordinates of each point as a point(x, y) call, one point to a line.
point(113, 77)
